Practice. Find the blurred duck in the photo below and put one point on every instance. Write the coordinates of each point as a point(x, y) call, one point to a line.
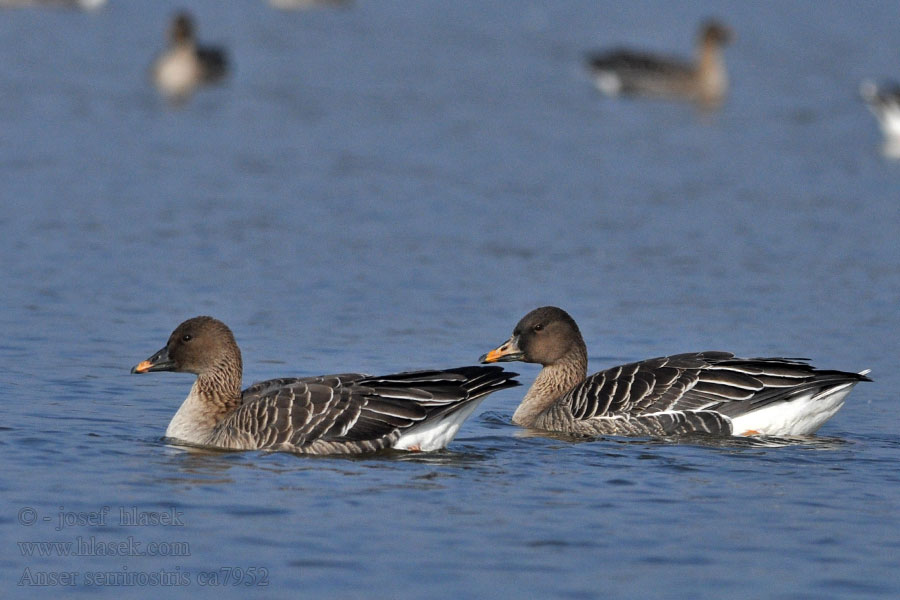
point(705, 81)
point(885, 105)
point(76, 4)
point(349, 413)
point(184, 65)
point(703, 392)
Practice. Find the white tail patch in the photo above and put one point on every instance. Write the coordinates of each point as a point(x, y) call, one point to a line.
point(801, 415)
point(608, 82)
point(434, 434)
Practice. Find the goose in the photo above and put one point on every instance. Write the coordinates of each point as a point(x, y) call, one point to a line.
point(885, 105)
point(622, 71)
point(703, 392)
point(347, 413)
point(184, 65)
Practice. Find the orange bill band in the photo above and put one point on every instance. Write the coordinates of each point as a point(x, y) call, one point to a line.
point(142, 367)
point(508, 351)
point(494, 355)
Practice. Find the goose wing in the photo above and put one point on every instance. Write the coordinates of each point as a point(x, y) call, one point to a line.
point(353, 412)
point(628, 61)
point(214, 62)
point(704, 381)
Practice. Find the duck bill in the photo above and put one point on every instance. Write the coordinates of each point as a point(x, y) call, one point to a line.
point(507, 352)
point(158, 362)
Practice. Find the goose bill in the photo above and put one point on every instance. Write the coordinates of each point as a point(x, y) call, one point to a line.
point(507, 352)
point(158, 362)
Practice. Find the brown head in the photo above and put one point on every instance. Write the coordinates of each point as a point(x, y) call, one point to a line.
point(715, 32)
point(545, 336)
point(200, 345)
point(182, 28)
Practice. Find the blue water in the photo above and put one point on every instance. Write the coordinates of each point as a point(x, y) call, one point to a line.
point(391, 186)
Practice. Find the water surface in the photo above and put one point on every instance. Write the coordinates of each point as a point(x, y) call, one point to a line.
point(391, 186)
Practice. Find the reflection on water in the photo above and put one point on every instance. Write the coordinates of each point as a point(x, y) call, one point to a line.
point(810, 442)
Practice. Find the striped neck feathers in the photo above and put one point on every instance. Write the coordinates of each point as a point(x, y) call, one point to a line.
point(553, 382)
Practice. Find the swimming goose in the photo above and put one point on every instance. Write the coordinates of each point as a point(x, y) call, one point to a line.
point(885, 105)
point(705, 81)
point(184, 66)
point(348, 413)
point(708, 392)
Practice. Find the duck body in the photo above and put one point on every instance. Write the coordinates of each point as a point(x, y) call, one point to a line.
point(628, 72)
point(704, 392)
point(623, 71)
point(348, 413)
point(184, 65)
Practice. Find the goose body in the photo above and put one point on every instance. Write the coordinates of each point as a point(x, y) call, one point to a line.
point(628, 72)
point(348, 413)
point(702, 392)
point(184, 66)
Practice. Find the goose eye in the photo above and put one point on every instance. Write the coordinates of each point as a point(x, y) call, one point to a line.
point(538, 327)
point(187, 337)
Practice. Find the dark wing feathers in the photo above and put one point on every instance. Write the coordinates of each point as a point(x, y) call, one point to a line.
point(679, 386)
point(621, 59)
point(214, 61)
point(352, 408)
point(262, 388)
point(379, 416)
